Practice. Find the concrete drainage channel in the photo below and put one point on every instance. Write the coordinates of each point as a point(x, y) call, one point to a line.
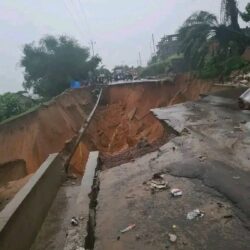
point(90, 238)
point(82, 236)
point(21, 219)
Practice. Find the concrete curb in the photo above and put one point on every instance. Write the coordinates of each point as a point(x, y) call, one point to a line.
point(21, 219)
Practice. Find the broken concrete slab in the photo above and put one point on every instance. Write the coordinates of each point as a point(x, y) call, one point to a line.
point(22, 217)
point(214, 120)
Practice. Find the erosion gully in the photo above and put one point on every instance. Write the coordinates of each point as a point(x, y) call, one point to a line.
point(122, 129)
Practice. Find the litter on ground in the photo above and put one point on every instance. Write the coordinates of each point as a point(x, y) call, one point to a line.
point(172, 237)
point(176, 192)
point(128, 228)
point(157, 183)
point(196, 213)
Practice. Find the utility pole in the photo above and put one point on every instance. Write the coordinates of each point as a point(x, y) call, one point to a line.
point(153, 42)
point(92, 43)
point(140, 60)
point(151, 50)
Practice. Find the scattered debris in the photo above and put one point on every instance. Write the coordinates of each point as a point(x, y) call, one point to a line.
point(129, 196)
point(220, 205)
point(238, 128)
point(74, 221)
point(202, 158)
point(172, 238)
point(72, 176)
point(236, 177)
point(196, 213)
point(157, 183)
point(244, 100)
point(228, 216)
point(176, 192)
point(245, 82)
point(185, 131)
point(128, 228)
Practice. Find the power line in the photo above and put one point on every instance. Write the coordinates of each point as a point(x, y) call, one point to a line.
point(73, 18)
point(92, 42)
point(78, 14)
point(79, 10)
point(85, 17)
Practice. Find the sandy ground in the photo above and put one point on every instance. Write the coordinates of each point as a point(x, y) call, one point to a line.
point(209, 162)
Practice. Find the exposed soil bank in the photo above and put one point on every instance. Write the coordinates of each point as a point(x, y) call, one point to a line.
point(12, 171)
point(124, 120)
point(32, 137)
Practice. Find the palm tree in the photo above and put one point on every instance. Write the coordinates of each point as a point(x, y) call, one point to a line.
point(246, 15)
point(195, 36)
point(230, 14)
point(202, 36)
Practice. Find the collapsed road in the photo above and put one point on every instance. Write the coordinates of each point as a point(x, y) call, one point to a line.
point(143, 130)
point(208, 161)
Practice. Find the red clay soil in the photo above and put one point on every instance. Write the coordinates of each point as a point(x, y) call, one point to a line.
point(33, 136)
point(124, 119)
point(122, 128)
point(120, 122)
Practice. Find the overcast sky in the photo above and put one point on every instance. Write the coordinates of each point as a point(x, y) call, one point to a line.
point(120, 28)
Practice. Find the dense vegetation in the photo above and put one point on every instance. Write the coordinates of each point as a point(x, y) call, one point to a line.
point(209, 47)
point(53, 63)
point(12, 104)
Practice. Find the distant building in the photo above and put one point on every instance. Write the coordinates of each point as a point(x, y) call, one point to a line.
point(168, 46)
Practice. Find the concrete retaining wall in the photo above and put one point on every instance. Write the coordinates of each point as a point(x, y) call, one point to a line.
point(21, 219)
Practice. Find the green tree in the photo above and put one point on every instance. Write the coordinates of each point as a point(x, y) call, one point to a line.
point(12, 104)
point(201, 37)
point(104, 71)
point(246, 15)
point(50, 65)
